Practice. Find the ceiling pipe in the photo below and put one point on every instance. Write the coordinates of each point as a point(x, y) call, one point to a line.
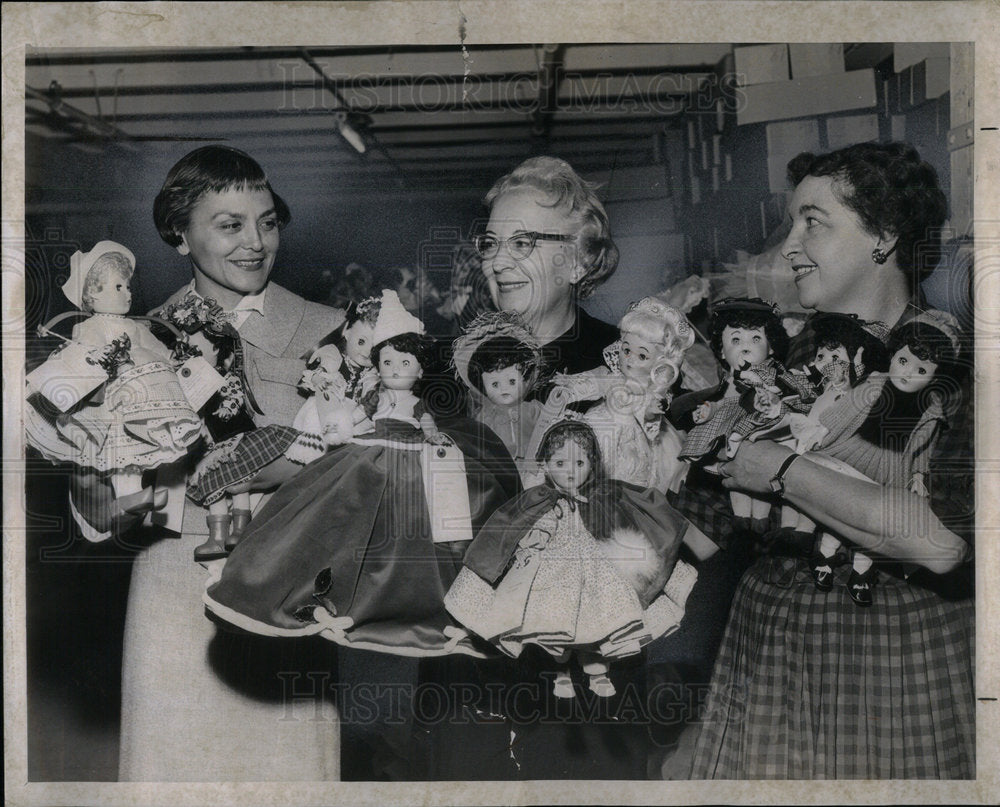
point(94, 126)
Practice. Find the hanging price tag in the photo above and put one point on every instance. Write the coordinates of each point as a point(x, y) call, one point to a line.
point(199, 381)
point(447, 493)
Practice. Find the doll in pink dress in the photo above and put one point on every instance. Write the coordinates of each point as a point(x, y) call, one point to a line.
point(499, 361)
point(579, 565)
point(139, 417)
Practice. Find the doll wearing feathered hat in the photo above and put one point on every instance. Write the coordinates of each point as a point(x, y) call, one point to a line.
point(139, 418)
point(349, 549)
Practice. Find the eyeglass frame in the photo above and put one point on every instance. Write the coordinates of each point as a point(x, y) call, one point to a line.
point(532, 234)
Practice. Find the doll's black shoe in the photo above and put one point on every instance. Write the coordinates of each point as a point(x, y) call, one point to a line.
point(741, 525)
point(860, 585)
point(218, 533)
point(241, 520)
point(758, 526)
point(822, 571)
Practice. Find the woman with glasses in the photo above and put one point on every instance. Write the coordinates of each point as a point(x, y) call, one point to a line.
point(547, 246)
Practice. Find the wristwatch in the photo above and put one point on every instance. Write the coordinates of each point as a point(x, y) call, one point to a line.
point(778, 480)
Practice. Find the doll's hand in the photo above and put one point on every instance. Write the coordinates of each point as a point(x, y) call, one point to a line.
point(808, 433)
point(338, 427)
point(703, 413)
point(437, 438)
point(767, 401)
point(917, 485)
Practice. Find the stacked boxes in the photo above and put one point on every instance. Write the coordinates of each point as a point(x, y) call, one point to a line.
point(765, 104)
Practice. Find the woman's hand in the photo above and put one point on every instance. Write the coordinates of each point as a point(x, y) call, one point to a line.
point(753, 466)
point(891, 521)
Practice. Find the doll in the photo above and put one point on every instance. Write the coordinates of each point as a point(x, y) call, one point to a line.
point(885, 429)
point(579, 564)
point(361, 546)
point(499, 361)
point(749, 341)
point(137, 419)
point(638, 443)
point(847, 350)
point(338, 374)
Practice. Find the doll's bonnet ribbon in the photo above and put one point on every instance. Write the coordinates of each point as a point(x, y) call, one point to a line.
point(81, 263)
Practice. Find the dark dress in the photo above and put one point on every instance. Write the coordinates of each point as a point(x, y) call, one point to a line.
point(346, 551)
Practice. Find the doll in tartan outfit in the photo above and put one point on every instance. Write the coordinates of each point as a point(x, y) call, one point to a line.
point(338, 374)
point(757, 391)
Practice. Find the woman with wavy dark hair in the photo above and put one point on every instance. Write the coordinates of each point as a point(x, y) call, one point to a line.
point(806, 684)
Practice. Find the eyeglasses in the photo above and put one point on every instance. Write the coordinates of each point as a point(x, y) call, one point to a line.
point(519, 245)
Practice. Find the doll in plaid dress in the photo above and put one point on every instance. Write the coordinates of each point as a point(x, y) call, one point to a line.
point(757, 391)
point(338, 375)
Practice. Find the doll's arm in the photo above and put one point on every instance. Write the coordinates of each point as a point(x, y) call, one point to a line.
point(431, 433)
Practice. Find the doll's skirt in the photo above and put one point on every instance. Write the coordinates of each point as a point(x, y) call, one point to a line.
point(238, 460)
point(707, 438)
point(142, 421)
point(346, 550)
point(561, 593)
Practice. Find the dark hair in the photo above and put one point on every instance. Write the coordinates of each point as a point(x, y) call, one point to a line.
point(843, 330)
point(757, 314)
point(891, 190)
point(571, 431)
point(210, 169)
point(415, 344)
point(566, 190)
point(925, 342)
point(499, 353)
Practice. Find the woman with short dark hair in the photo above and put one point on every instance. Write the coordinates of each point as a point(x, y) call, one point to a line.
point(806, 684)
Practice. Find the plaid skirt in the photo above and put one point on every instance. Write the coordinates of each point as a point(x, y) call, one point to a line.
point(808, 685)
point(237, 460)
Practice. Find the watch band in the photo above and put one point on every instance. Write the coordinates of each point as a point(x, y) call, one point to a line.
point(778, 480)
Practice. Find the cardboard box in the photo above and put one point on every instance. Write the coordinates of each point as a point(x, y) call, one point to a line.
point(844, 130)
point(792, 137)
point(924, 81)
point(800, 98)
point(962, 177)
point(907, 54)
point(962, 87)
point(816, 59)
point(760, 64)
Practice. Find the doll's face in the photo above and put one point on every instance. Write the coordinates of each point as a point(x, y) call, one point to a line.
point(358, 343)
point(636, 357)
point(504, 387)
point(115, 296)
point(397, 370)
point(908, 373)
point(824, 355)
point(744, 346)
point(568, 467)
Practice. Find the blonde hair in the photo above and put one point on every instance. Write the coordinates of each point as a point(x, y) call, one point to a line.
point(660, 324)
point(100, 272)
point(556, 180)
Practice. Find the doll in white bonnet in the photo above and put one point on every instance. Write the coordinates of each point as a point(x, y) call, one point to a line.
point(139, 418)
